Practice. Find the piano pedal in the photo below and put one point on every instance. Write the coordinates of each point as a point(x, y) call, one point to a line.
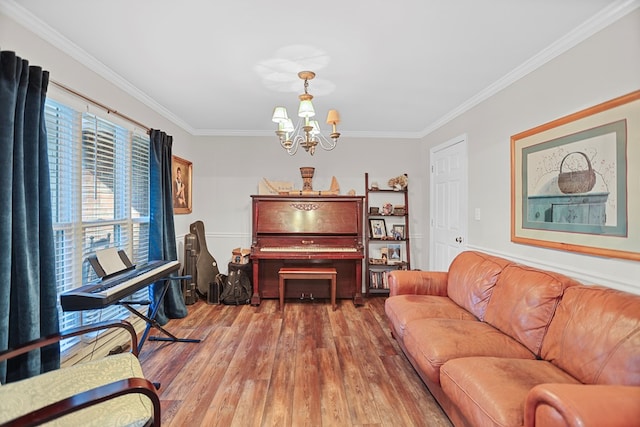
point(309, 298)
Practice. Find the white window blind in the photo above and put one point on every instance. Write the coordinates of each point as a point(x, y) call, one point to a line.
point(100, 198)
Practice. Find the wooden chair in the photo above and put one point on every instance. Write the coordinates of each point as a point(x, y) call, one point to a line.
point(110, 391)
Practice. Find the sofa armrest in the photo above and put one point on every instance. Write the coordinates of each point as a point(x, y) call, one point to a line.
point(414, 282)
point(582, 405)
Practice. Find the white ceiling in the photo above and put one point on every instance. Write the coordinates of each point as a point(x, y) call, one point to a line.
point(392, 69)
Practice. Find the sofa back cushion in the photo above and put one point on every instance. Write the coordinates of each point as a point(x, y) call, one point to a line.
point(472, 276)
point(523, 302)
point(595, 336)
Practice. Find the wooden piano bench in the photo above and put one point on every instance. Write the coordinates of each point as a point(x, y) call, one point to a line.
point(307, 273)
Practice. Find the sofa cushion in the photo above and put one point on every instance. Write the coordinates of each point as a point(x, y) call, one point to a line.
point(595, 336)
point(402, 309)
point(432, 342)
point(472, 276)
point(524, 301)
point(491, 391)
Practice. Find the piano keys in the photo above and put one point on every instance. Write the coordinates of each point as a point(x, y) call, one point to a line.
point(307, 249)
point(311, 231)
point(111, 290)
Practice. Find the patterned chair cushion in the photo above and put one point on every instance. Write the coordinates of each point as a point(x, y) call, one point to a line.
point(24, 396)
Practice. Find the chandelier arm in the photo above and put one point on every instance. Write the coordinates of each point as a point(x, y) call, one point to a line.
point(325, 143)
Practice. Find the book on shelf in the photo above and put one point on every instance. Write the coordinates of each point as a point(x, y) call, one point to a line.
point(378, 279)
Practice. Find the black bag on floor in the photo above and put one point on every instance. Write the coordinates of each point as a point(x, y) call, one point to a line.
point(215, 288)
point(237, 289)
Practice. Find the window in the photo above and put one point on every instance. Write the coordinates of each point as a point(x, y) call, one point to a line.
point(100, 198)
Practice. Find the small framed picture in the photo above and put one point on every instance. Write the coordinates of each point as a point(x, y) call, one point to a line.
point(378, 228)
point(397, 231)
point(181, 172)
point(394, 253)
point(384, 255)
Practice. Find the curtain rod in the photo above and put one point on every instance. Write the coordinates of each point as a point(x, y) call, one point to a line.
point(101, 105)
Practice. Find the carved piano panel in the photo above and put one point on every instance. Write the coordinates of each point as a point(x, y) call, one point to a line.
point(306, 216)
point(307, 231)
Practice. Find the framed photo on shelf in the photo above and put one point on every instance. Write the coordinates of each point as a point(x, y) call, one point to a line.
point(378, 228)
point(384, 255)
point(394, 251)
point(397, 231)
point(181, 173)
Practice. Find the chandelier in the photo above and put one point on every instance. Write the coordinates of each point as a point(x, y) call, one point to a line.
point(306, 133)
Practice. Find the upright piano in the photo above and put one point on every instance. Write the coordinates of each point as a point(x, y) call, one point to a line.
point(307, 231)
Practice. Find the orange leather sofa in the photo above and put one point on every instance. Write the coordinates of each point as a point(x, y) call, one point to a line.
point(503, 344)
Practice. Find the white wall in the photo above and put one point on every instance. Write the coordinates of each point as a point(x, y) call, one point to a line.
point(68, 71)
point(601, 68)
point(227, 169)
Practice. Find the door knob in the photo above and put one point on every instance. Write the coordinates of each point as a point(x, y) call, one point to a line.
point(458, 239)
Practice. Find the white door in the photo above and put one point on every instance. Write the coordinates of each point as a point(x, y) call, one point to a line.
point(448, 191)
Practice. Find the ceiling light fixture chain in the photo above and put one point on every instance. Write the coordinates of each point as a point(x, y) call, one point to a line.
point(306, 133)
point(306, 85)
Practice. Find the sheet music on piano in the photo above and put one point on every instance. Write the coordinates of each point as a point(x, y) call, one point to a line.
point(110, 262)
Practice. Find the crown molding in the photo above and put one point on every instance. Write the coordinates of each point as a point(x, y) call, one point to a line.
point(606, 17)
point(53, 37)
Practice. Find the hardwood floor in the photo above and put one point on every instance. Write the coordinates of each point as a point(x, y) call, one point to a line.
point(308, 366)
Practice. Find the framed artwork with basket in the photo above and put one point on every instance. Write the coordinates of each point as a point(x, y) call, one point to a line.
point(570, 181)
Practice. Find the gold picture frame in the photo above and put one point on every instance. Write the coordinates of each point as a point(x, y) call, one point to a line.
point(591, 150)
point(181, 185)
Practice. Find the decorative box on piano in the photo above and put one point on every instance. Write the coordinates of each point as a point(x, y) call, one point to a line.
point(240, 256)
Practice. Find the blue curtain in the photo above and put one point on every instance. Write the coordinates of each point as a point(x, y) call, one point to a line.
point(27, 257)
point(162, 233)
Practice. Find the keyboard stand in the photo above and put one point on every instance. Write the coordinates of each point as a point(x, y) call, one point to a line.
point(151, 318)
